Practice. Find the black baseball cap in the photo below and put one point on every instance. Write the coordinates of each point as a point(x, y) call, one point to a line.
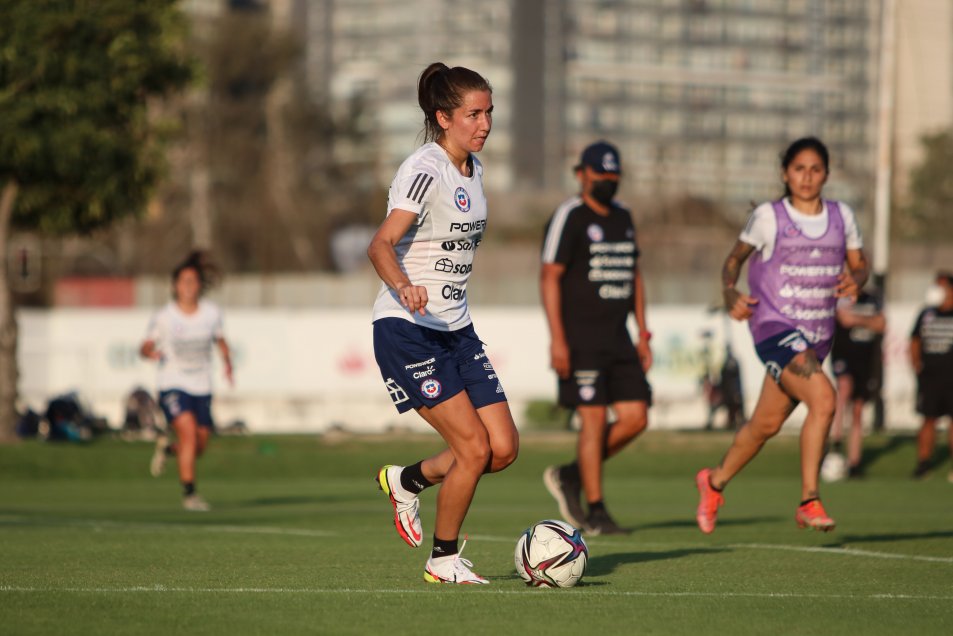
point(602, 157)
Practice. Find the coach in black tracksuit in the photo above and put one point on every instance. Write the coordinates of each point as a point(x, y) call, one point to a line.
point(590, 282)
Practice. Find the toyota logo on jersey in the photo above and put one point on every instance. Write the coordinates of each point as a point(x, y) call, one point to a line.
point(462, 199)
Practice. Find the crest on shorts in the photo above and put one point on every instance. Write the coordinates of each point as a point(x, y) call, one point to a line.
point(462, 199)
point(431, 388)
point(586, 393)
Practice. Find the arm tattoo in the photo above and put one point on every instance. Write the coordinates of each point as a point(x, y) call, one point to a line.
point(731, 270)
point(732, 267)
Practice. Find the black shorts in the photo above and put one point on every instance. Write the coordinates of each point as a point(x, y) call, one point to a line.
point(864, 382)
point(934, 398)
point(600, 378)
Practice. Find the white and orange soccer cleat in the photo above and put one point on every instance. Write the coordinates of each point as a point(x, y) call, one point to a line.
point(406, 505)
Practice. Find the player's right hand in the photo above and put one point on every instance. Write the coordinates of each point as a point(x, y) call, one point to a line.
point(739, 306)
point(559, 358)
point(413, 298)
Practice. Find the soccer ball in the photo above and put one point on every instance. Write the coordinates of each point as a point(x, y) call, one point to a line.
point(834, 467)
point(551, 554)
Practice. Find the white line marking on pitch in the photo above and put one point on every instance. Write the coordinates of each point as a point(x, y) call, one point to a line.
point(760, 546)
point(528, 593)
point(843, 552)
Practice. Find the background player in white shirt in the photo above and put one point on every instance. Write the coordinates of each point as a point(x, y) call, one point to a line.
point(430, 357)
point(180, 338)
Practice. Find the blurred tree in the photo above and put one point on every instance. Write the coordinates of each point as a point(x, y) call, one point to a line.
point(78, 147)
point(929, 216)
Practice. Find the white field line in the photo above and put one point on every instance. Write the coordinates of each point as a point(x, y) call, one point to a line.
point(304, 532)
point(760, 546)
point(843, 552)
point(528, 593)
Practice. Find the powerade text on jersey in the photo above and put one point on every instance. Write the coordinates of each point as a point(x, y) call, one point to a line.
point(438, 251)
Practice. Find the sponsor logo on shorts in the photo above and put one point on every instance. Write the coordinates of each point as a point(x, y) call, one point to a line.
point(487, 366)
point(422, 363)
point(171, 402)
point(431, 388)
point(774, 370)
point(479, 356)
point(595, 233)
point(794, 342)
point(462, 199)
point(586, 393)
point(397, 393)
point(425, 373)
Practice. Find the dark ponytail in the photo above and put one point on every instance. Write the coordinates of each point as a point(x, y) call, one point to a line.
point(443, 88)
point(804, 143)
point(199, 261)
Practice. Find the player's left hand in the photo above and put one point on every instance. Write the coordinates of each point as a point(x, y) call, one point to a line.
point(645, 354)
point(846, 286)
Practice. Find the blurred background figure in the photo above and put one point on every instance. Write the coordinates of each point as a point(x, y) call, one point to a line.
point(590, 284)
point(722, 386)
point(855, 360)
point(180, 338)
point(931, 354)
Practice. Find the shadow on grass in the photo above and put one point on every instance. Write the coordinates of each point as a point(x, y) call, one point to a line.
point(607, 563)
point(850, 539)
point(873, 454)
point(690, 523)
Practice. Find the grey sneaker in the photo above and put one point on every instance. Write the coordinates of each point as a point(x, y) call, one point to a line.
point(157, 465)
point(566, 490)
point(599, 522)
point(195, 503)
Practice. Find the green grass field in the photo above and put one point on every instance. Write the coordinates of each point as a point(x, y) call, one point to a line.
point(301, 541)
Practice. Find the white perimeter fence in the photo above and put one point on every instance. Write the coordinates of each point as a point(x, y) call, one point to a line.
point(311, 370)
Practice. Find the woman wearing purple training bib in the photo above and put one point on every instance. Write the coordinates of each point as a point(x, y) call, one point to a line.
point(800, 244)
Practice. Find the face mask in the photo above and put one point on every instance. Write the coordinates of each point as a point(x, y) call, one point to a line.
point(935, 295)
point(603, 191)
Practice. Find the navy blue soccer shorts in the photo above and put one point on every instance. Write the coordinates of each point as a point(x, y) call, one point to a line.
point(175, 402)
point(778, 350)
point(422, 367)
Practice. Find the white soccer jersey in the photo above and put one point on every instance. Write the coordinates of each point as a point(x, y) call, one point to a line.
point(185, 342)
point(762, 227)
point(438, 251)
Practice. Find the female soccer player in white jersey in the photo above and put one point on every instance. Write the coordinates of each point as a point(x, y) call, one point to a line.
point(180, 339)
point(430, 357)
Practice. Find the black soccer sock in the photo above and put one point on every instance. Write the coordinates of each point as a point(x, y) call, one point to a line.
point(809, 500)
point(570, 471)
point(711, 485)
point(412, 479)
point(443, 547)
point(188, 488)
point(597, 506)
